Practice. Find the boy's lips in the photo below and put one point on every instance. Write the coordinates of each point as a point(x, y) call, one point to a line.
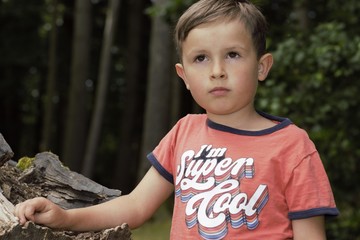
point(219, 91)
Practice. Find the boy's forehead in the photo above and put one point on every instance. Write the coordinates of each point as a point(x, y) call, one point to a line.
point(225, 35)
point(235, 24)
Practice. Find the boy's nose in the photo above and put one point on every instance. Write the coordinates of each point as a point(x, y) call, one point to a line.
point(217, 71)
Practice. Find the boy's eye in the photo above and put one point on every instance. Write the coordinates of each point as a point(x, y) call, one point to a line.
point(233, 55)
point(200, 58)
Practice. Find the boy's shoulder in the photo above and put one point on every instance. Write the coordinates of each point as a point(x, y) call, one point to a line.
point(286, 126)
point(193, 119)
point(295, 132)
point(296, 139)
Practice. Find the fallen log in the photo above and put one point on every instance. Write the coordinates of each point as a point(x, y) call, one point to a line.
point(63, 186)
point(6, 212)
point(5, 151)
point(45, 176)
point(32, 231)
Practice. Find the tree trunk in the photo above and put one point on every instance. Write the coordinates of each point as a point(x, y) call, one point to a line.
point(76, 120)
point(301, 14)
point(45, 176)
point(103, 79)
point(157, 109)
point(48, 130)
point(131, 121)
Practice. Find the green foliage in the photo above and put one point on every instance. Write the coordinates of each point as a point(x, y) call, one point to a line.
point(314, 81)
point(24, 163)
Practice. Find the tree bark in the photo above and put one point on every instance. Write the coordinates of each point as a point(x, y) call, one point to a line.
point(131, 121)
point(49, 104)
point(45, 176)
point(301, 14)
point(103, 79)
point(5, 151)
point(35, 232)
point(76, 117)
point(157, 109)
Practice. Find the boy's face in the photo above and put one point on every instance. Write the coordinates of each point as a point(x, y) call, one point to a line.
point(221, 69)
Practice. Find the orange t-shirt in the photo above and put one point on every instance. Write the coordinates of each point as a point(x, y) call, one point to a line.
point(235, 184)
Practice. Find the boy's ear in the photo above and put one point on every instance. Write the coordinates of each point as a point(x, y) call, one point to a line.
point(265, 64)
point(181, 73)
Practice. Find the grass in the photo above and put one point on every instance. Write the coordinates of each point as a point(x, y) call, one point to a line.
point(157, 228)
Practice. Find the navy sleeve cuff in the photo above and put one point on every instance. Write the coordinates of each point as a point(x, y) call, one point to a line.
point(313, 212)
point(163, 172)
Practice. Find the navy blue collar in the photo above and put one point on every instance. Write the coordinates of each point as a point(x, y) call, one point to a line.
point(283, 122)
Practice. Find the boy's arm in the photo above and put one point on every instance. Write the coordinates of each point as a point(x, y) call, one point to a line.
point(133, 209)
point(309, 228)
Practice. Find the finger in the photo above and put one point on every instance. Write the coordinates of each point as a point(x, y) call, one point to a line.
point(25, 211)
point(19, 213)
point(29, 212)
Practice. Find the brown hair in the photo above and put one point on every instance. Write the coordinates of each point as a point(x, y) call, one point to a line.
point(206, 11)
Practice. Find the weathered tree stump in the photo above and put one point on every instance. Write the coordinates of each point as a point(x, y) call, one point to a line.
point(5, 151)
point(47, 177)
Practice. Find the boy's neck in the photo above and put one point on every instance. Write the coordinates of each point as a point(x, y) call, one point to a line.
point(245, 120)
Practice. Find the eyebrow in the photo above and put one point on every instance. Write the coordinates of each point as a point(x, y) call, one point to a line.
point(235, 47)
point(197, 51)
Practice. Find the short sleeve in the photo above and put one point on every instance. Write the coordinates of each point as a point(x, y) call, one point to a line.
point(162, 157)
point(308, 192)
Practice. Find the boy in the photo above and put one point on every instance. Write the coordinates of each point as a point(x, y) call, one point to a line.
point(237, 173)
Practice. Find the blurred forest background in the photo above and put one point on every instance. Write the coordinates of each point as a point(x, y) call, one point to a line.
point(93, 81)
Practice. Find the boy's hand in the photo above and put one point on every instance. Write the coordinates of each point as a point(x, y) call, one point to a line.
point(41, 211)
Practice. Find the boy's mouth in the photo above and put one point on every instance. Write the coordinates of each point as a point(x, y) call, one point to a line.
point(219, 91)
